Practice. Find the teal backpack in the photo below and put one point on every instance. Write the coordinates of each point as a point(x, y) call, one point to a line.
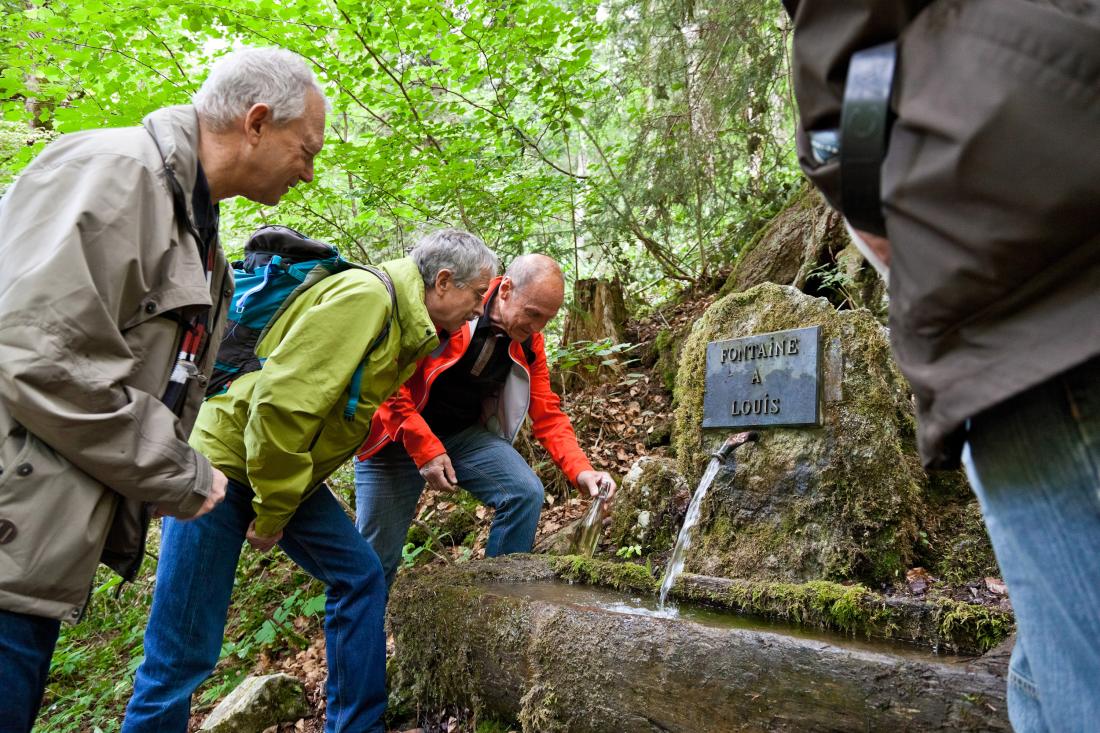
point(279, 265)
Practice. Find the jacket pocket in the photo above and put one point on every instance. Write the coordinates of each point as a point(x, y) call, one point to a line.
point(154, 343)
point(54, 520)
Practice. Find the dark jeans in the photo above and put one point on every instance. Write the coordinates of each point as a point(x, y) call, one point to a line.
point(26, 645)
point(198, 561)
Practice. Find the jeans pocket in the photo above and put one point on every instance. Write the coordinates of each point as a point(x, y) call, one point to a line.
point(1020, 681)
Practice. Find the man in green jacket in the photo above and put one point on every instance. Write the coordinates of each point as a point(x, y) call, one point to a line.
point(278, 433)
point(112, 285)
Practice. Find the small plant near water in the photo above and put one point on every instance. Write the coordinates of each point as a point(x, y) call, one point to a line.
point(591, 356)
point(628, 551)
point(988, 627)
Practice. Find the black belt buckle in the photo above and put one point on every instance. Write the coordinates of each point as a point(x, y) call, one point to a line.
point(865, 122)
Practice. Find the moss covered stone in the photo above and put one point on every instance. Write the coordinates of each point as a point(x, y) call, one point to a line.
point(842, 501)
point(649, 506)
point(787, 250)
point(464, 641)
point(626, 576)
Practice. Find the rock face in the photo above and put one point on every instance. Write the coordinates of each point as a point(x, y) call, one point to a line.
point(839, 502)
point(257, 704)
point(796, 241)
point(806, 246)
point(463, 638)
point(650, 506)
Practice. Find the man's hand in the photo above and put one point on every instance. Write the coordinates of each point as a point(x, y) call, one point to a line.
point(263, 544)
point(590, 483)
point(215, 497)
point(439, 473)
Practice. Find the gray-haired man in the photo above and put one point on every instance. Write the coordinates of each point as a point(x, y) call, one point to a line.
point(113, 287)
point(278, 433)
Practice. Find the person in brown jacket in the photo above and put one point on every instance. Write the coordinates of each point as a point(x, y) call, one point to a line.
point(113, 293)
point(990, 187)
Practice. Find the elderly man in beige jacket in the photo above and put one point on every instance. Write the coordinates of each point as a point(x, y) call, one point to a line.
point(112, 300)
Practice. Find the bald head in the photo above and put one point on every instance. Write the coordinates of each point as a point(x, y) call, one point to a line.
point(535, 268)
point(529, 297)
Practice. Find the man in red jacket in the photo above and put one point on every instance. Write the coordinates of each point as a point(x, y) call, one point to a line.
point(454, 421)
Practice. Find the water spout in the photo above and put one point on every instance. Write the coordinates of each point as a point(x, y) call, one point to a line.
point(725, 451)
point(683, 541)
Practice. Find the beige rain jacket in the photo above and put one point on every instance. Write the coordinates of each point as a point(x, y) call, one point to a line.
point(92, 258)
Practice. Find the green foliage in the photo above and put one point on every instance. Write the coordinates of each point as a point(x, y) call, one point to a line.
point(831, 281)
point(410, 552)
point(441, 112)
point(638, 140)
point(17, 144)
point(589, 356)
point(628, 551)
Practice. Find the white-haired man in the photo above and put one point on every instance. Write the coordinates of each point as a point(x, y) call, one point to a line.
point(113, 289)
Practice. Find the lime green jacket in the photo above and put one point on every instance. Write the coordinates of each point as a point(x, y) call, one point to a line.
point(282, 429)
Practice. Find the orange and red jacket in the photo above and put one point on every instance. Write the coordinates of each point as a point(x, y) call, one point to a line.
point(526, 391)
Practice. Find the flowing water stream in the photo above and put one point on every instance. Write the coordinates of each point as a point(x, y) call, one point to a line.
point(612, 601)
point(683, 541)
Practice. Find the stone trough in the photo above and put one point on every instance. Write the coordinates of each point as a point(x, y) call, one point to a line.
point(482, 635)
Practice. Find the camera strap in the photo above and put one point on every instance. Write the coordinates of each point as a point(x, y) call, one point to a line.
point(865, 122)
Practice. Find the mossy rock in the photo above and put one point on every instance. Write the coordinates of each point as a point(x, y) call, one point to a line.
point(668, 345)
point(796, 241)
point(842, 501)
point(649, 506)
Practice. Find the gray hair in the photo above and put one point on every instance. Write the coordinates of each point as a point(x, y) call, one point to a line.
point(272, 76)
point(465, 255)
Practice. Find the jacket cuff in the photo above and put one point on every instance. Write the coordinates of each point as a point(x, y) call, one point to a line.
point(422, 448)
point(576, 468)
point(269, 525)
point(204, 481)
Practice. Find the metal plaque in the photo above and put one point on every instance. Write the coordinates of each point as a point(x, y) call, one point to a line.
point(765, 380)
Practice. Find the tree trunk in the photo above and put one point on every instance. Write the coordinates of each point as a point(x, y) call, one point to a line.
point(498, 648)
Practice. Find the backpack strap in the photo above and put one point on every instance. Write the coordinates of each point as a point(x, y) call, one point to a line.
point(357, 375)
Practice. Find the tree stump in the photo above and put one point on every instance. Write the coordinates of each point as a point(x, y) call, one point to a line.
point(598, 312)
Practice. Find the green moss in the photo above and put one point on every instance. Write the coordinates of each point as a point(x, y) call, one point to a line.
point(667, 346)
point(961, 624)
point(958, 548)
point(436, 665)
point(625, 576)
point(852, 609)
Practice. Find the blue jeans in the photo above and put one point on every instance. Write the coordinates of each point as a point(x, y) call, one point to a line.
point(198, 560)
point(388, 486)
point(26, 645)
point(1033, 462)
